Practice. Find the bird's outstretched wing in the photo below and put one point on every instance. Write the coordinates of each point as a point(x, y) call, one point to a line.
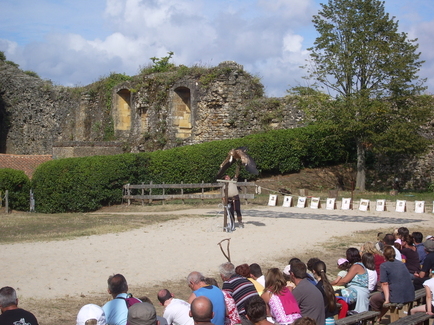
point(247, 162)
point(238, 154)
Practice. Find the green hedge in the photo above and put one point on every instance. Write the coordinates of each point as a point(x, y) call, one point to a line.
point(18, 185)
point(86, 184)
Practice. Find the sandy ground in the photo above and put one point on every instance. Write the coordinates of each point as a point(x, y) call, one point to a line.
point(171, 250)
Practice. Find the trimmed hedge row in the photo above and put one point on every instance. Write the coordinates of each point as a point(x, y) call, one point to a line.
point(88, 183)
point(18, 185)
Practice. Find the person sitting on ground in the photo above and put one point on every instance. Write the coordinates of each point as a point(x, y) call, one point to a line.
point(309, 277)
point(356, 281)
point(202, 311)
point(91, 314)
point(411, 255)
point(232, 315)
point(282, 305)
point(309, 298)
point(369, 262)
point(427, 266)
point(244, 271)
point(256, 273)
point(343, 265)
point(10, 313)
point(389, 240)
point(428, 308)
point(287, 275)
point(196, 282)
point(116, 310)
point(142, 314)
point(256, 311)
point(395, 284)
point(176, 311)
point(369, 247)
point(418, 238)
point(161, 320)
point(330, 300)
point(238, 287)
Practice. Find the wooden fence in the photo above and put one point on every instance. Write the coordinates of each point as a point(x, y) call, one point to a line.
point(146, 191)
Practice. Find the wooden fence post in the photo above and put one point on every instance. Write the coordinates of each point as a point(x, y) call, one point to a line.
point(7, 201)
point(182, 192)
point(143, 193)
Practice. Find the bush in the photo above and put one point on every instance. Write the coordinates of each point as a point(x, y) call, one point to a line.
point(86, 184)
point(18, 185)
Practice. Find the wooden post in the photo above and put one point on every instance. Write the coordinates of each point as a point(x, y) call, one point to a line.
point(164, 193)
point(150, 192)
point(245, 191)
point(143, 193)
point(182, 193)
point(7, 201)
point(202, 192)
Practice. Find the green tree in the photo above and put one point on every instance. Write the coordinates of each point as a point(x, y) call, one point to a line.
point(372, 68)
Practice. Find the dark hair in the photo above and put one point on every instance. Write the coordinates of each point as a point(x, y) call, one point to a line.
point(389, 253)
point(243, 270)
point(163, 296)
point(368, 261)
point(330, 299)
point(305, 321)
point(389, 239)
point(255, 269)
point(408, 239)
point(403, 231)
point(298, 269)
point(211, 282)
point(294, 259)
point(417, 236)
point(256, 309)
point(311, 262)
point(117, 284)
point(353, 255)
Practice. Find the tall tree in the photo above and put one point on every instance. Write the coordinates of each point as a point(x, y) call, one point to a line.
point(371, 67)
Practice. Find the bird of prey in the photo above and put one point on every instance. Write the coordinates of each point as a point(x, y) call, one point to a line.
point(239, 155)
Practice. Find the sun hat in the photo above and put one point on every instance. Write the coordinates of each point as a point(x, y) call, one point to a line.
point(142, 314)
point(429, 245)
point(91, 311)
point(342, 261)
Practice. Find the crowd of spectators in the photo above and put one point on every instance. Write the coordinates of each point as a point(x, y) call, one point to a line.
point(372, 278)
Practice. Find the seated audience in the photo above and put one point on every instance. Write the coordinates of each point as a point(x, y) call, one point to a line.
point(343, 266)
point(91, 315)
point(369, 262)
point(176, 311)
point(356, 282)
point(369, 247)
point(389, 240)
point(305, 321)
point(256, 273)
point(282, 304)
point(411, 255)
point(142, 314)
point(10, 313)
point(427, 266)
point(309, 298)
point(256, 311)
point(429, 306)
point(418, 238)
point(395, 284)
point(244, 271)
point(202, 311)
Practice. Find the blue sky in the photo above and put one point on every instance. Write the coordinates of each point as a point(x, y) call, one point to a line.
point(76, 42)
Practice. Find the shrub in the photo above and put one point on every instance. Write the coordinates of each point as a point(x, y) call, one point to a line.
point(18, 185)
point(86, 184)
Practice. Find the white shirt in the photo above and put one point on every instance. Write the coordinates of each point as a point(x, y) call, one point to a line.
point(261, 280)
point(177, 313)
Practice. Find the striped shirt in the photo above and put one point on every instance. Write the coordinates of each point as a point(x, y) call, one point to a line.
point(241, 290)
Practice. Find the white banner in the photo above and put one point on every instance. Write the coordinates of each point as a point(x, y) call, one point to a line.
point(364, 205)
point(400, 206)
point(272, 200)
point(346, 204)
point(330, 205)
point(301, 203)
point(287, 200)
point(314, 203)
point(381, 204)
point(419, 206)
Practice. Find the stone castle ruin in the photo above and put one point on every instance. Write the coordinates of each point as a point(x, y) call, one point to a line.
point(143, 113)
point(150, 111)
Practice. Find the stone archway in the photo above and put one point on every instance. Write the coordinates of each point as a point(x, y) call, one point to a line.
point(181, 103)
point(122, 116)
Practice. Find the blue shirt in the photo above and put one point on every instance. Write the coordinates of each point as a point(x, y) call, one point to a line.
point(116, 311)
point(218, 302)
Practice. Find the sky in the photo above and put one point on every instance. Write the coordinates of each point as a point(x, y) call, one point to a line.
point(77, 42)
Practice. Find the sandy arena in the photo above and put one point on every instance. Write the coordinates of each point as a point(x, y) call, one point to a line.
point(169, 251)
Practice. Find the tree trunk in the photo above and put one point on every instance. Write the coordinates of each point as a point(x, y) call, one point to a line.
point(361, 167)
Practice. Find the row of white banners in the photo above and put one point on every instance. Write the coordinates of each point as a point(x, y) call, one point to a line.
point(419, 206)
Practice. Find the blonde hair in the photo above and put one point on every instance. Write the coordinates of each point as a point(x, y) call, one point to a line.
point(369, 247)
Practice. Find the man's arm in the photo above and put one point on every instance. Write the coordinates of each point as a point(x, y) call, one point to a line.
point(191, 298)
point(428, 301)
point(385, 287)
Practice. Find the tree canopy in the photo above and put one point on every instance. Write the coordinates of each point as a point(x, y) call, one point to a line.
point(371, 68)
